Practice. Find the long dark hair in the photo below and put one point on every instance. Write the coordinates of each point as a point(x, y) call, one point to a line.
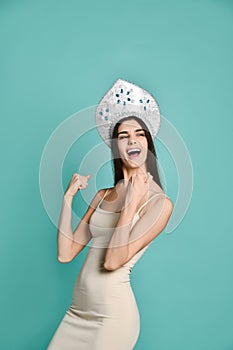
point(151, 161)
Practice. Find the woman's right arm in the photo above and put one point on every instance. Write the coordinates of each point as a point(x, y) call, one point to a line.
point(70, 243)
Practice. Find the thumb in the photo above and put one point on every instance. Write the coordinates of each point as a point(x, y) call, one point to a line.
point(88, 176)
point(132, 178)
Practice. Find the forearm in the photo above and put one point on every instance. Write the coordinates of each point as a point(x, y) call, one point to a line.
point(117, 251)
point(65, 233)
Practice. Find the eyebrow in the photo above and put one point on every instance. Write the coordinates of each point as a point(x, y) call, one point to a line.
point(125, 132)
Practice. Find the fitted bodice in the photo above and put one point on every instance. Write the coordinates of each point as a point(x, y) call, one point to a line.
point(102, 225)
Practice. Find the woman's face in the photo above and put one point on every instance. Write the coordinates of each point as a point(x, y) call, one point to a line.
point(132, 137)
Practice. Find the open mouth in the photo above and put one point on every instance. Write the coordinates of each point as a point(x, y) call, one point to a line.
point(133, 153)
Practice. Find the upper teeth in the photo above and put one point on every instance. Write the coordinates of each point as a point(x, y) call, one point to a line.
point(133, 149)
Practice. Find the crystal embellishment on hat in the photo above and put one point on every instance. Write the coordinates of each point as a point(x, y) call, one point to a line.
point(126, 99)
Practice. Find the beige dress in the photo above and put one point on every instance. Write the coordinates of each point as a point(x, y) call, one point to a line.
point(103, 314)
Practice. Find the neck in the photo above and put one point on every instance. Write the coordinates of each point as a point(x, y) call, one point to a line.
point(128, 172)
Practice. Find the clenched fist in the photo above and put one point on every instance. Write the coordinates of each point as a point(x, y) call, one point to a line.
point(77, 182)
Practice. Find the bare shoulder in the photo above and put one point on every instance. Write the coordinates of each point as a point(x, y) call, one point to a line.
point(101, 192)
point(93, 204)
point(159, 197)
point(99, 195)
point(159, 205)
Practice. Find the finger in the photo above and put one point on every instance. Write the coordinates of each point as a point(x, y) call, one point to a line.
point(146, 178)
point(150, 179)
point(133, 177)
point(143, 176)
point(130, 180)
point(88, 176)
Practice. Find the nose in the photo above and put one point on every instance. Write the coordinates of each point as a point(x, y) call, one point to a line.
point(131, 141)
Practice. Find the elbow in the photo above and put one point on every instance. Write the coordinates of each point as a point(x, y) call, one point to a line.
point(113, 263)
point(63, 260)
point(108, 267)
point(170, 205)
point(111, 267)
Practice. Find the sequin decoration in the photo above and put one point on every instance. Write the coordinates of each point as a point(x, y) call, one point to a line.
point(104, 113)
point(124, 99)
point(145, 101)
point(123, 95)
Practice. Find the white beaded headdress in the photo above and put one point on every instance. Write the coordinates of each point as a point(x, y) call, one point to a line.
point(126, 99)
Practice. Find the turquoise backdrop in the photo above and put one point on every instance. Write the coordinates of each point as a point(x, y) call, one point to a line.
point(59, 57)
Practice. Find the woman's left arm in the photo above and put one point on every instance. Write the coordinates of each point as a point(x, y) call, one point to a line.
point(125, 243)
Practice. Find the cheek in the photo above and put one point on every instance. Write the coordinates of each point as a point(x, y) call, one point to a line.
point(145, 144)
point(120, 148)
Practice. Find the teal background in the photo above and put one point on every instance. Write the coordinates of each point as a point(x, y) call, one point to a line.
point(58, 57)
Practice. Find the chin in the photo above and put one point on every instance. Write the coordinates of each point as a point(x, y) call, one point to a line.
point(132, 164)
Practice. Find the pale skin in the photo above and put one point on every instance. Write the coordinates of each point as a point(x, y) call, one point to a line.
point(127, 196)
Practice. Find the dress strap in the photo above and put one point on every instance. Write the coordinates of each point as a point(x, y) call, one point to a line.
point(103, 197)
point(156, 194)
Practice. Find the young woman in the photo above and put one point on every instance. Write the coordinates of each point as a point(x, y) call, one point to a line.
point(122, 221)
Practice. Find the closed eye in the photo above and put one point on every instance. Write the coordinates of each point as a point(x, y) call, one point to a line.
point(122, 137)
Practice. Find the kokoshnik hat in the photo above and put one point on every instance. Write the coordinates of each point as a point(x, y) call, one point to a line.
point(126, 99)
